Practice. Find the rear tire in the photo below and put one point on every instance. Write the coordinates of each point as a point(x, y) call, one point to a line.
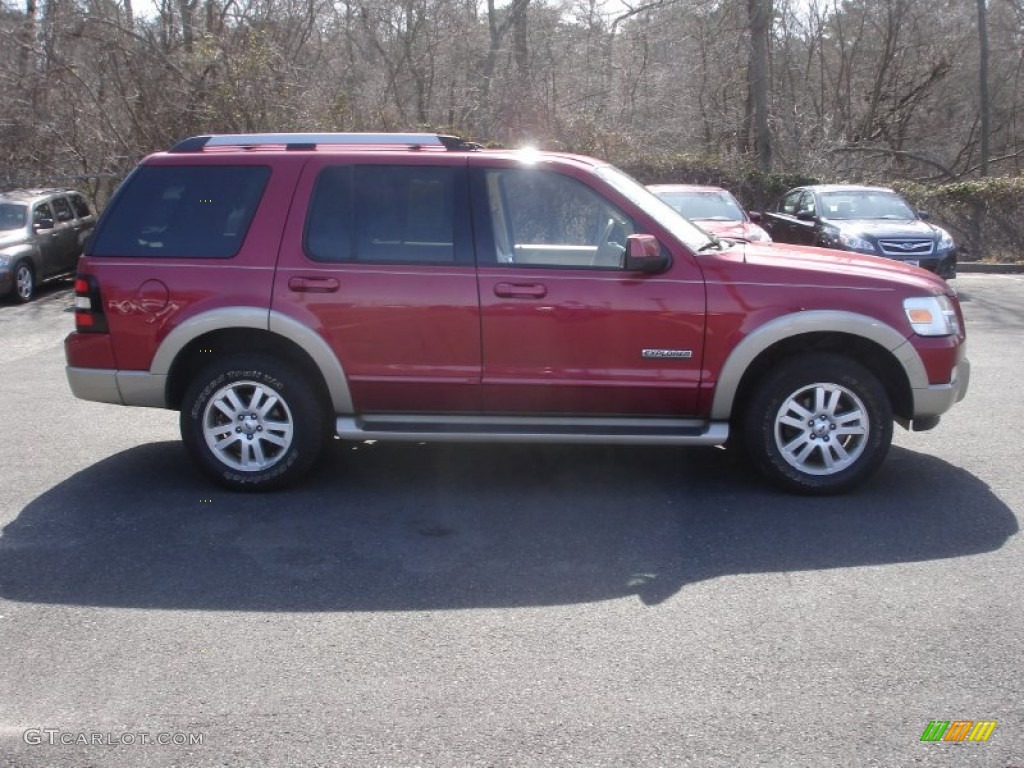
point(252, 423)
point(24, 283)
point(818, 424)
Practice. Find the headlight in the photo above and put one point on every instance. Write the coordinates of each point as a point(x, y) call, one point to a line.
point(4, 260)
point(945, 240)
point(854, 243)
point(931, 315)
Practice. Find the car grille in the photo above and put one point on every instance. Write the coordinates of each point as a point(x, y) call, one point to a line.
point(906, 249)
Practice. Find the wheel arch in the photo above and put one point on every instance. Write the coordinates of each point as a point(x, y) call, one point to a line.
point(878, 347)
point(253, 330)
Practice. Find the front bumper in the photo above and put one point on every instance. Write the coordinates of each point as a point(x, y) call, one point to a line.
point(933, 401)
point(6, 281)
point(942, 264)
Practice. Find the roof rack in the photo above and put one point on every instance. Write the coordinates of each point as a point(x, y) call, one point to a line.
point(313, 140)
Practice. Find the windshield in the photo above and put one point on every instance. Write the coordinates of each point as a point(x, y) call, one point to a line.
point(871, 204)
point(12, 216)
point(704, 206)
point(688, 234)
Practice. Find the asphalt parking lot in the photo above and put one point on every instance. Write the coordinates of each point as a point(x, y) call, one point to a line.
point(454, 606)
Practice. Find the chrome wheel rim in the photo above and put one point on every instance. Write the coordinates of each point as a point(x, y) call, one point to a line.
point(822, 429)
point(23, 282)
point(248, 426)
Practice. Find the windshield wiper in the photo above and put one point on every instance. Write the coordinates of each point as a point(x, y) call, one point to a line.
point(713, 242)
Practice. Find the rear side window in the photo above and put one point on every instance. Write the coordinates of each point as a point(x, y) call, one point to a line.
point(81, 207)
point(383, 215)
point(182, 211)
point(60, 205)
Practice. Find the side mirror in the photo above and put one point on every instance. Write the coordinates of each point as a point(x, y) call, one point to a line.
point(43, 224)
point(755, 216)
point(924, 215)
point(644, 254)
point(805, 215)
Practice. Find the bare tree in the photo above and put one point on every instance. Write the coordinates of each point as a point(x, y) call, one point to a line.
point(759, 14)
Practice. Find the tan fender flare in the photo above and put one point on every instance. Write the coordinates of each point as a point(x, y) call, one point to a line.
point(229, 318)
point(815, 321)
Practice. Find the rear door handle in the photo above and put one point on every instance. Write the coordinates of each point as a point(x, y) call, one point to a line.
point(520, 290)
point(313, 284)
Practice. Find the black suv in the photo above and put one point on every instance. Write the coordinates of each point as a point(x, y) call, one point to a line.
point(871, 220)
point(42, 232)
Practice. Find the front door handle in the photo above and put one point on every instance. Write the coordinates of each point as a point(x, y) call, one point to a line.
point(313, 284)
point(520, 290)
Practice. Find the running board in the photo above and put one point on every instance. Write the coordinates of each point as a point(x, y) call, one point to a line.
point(532, 429)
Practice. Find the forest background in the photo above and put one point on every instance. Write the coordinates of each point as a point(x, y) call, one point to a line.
point(754, 95)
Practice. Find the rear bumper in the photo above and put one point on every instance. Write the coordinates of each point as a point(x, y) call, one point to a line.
point(102, 385)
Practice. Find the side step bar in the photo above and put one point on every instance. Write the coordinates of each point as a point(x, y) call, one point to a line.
point(532, 429)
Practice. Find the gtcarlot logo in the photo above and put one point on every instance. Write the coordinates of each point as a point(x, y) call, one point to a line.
point(958, 730)
point(59, 737)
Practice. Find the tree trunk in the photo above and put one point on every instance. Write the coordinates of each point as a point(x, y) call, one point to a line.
point(28, 41)
point(759, 15)
point(984, 106)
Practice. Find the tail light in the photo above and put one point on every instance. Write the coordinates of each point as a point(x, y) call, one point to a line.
point(89, 317)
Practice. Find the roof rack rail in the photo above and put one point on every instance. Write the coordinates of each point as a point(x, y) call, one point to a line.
point(312, 140)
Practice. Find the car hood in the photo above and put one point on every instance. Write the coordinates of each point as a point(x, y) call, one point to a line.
point(885, 227)
point(737, 230)
point(830, 264)
point(12, 237)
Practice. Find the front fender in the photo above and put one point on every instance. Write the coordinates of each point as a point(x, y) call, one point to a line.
point(814, 321)
point(20, 251)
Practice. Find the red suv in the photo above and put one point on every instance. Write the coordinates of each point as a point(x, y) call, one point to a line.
point(279, 289)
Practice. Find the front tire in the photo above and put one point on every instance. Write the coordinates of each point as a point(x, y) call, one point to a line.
point(252, 423)
point(819, 424)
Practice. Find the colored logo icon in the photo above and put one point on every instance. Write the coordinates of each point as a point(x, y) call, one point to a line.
point(958, 730)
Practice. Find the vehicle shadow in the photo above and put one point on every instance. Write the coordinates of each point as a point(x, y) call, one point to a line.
point(417, 527)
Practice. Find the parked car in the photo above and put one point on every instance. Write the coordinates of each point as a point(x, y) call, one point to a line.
point(277, 289)
point(42, 232)
point(871, 220)
point(714, 210)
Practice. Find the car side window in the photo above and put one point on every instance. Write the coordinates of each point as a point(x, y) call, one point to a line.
point(200, 211)
point(806, 203)
point(63, 209)
point(383, 214)
point(40, 212)
point(791, 203)
point(81, 207)
point(540, 218)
